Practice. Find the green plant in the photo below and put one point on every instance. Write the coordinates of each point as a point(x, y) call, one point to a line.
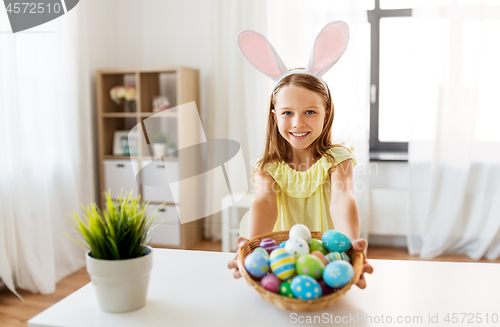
point(160, 138)
point(119, 232)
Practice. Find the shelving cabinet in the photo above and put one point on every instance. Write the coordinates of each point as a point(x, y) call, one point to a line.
point(181, 86)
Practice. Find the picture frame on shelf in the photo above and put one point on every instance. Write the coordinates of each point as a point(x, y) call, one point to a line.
point(125, 144)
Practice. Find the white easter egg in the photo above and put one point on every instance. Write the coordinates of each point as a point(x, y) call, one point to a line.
point(297, 246)
point(300, 231)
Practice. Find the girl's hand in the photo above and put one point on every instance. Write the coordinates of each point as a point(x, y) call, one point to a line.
point(361, 245)
point(234, 262)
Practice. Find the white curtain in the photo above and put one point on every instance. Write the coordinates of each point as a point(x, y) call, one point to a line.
point(46, 170)
point(454, 154)
point(237, 92)
point(292, 26)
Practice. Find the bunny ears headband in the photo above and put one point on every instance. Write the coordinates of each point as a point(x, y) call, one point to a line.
point(329, 46)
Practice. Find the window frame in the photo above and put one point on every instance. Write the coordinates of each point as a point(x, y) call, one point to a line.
point(378, 149)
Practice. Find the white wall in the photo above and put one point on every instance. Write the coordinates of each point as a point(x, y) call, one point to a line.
point(124, 33)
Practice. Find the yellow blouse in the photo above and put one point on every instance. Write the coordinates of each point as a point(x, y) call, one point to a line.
point(304, 196)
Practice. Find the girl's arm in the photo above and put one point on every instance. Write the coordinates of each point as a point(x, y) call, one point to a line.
point(343, 207)
point(345, 213)
point(264, 210)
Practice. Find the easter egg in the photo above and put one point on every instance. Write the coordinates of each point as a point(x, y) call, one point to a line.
point(338, 273)
point(282, 244)
point(261, 250)
point(317, 245)
point(305, 287)
point(336, 241)
point(282, 263)
point(257, 264)
point(297, 246)
point(334, 256)
point(321, 257)
point(286, 289)
point(327, 289)
point(310, 265)
point(268, 244)
point(271, 283)
point(300, 231)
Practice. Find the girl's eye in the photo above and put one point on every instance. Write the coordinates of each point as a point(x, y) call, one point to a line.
point(287, 113)
point(311, 112)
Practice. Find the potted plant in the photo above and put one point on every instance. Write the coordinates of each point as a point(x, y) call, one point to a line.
point(119, 260)
point(159, 145)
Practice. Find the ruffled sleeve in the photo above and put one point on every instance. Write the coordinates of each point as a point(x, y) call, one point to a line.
point(302, 184)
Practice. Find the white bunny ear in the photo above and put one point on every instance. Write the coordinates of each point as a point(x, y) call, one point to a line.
point(329, 46)
point(261, 54)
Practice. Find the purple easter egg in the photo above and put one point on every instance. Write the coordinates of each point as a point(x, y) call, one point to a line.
point(271, 283)
point(268, 244)
point(326, 289)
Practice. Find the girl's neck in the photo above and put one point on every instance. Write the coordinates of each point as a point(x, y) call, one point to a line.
point(302, 159)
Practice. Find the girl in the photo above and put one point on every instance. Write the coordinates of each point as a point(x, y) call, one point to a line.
point(302, 176)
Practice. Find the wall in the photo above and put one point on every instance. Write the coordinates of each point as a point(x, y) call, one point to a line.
point(124, 33)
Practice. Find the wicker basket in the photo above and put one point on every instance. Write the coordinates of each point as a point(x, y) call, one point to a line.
point(293, 304)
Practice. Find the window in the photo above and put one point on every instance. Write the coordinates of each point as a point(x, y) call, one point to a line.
point(391, 79)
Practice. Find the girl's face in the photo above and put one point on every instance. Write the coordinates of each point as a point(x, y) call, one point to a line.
point(300, 115)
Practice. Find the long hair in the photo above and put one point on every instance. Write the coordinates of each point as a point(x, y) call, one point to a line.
point(277, 148)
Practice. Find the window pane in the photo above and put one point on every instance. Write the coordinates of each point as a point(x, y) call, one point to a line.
point(397, 4)
point(396, 79)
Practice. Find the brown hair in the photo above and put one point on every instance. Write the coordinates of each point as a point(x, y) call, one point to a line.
point(277, 148)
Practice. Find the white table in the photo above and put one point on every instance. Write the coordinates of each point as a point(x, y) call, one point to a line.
point(191, 288)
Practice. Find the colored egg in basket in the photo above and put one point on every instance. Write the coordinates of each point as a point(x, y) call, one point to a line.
point(300, 231)
point(261, 250)
point(317, 245)
point(305, 287)
point(336, 241)
point(310, 265)
point(321, 256)
point(271, 283)
point(282, 263)
point(297, 246)
point(338, 273)
point(334, 256)
point(268, 244)
point(257, 264)
point(286, 289)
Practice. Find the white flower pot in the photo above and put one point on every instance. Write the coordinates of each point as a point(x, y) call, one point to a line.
point(159, 149)
point(121, 285)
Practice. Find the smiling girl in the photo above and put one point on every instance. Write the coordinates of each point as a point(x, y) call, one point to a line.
point(302, 177)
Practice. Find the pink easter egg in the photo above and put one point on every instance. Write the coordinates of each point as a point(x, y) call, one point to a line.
point(271, 283)
point(268, 244)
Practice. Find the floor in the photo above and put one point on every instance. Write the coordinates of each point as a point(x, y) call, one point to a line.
point(14, 313)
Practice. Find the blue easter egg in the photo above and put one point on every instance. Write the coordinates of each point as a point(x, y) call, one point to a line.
point(336, 241)
point(282, 244)
point(282, 263)
point(338, 273)
point(257, 264)
point(306, 288)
